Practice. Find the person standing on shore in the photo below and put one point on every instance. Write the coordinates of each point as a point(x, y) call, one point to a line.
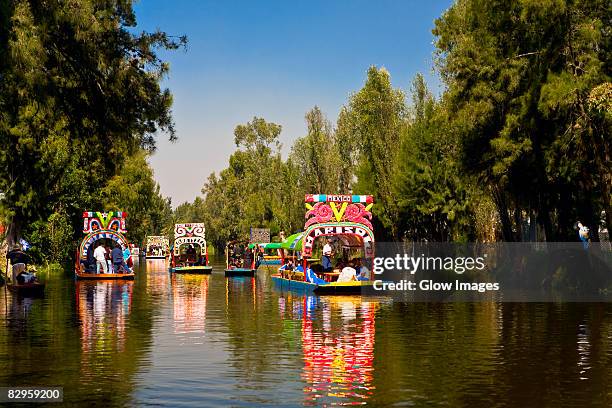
point(583, 234)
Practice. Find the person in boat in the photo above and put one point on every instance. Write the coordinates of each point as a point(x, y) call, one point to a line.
point(127, 257)
point(19, 261)
point(287, 267)
point(191, 254)
point(26, 277)
point(363, 272)
point(347, 274)
point(100, 256)
point(327, 254)
point(311, 276)
point(119, 265)
point(248, 258)
point(109, 260)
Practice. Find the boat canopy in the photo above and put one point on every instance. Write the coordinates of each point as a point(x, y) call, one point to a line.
point(158, 240)
point(103, 225)
point(191, 233)
point(266, 245)
point(345, 216)
point(293, 242)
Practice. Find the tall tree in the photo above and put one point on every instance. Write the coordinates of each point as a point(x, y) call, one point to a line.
point(317, 155)
point(79, 92)
point(518, 76)
point(377, 113)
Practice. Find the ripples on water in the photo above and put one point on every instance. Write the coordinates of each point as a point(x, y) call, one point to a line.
point(197, 340)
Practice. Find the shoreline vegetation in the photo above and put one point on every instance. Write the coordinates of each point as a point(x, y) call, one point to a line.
point(515, 148)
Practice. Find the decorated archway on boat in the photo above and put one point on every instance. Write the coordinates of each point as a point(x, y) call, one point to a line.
point(98, 225)
point(189, 234)
point(345, 216)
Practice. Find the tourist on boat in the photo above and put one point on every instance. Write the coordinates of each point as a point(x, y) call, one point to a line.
point(191, 254)
point(118, 261)
point(248, 258)
point(311, 276)
point(127, 257)
point(327, 254)
point(109, 260)
point(363, 272)
point(19, 260)
point(100, 256)
point(347, 274)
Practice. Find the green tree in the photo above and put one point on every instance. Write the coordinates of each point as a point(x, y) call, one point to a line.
point(378, 117)
point(79, 93)
point(518, 77)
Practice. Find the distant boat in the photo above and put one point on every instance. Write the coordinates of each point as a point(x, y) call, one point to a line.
point(189, 253)
point(239, 259)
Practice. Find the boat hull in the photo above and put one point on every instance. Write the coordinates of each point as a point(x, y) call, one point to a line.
point(156, 257)
point(192, 269)
point(105, 276)
point(240, 272)
point(27, 289)
point(333, 288)
point(270, 262)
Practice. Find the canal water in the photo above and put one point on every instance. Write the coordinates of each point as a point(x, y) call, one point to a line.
point(198, 341)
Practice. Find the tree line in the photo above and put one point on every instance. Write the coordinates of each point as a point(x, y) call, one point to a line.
point(516, 147)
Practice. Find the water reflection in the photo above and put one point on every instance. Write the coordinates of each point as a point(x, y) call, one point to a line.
point(158, 278)
point(103, 308)
point(189, 297)
point(337, 336)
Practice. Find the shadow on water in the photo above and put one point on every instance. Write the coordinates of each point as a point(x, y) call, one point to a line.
point(197, 340)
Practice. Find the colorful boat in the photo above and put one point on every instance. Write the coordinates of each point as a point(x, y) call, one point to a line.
point(267, 253)
point(189, 253)
point(158, 247)
point(100, 227)
point(345, 218)
point(239, 259)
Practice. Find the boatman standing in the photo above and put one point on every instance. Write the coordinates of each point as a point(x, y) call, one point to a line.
point(327, 254)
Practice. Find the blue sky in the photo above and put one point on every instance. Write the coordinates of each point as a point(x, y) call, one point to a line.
point(276, 60)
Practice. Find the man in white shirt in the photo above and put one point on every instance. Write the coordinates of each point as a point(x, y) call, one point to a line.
point(100, 257)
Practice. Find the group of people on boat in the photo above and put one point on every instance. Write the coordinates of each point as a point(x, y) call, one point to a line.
point(156, 250)
point(240, 256)
point(344, 270)
point(106, 259)
point(190, 257)
point(19, 263)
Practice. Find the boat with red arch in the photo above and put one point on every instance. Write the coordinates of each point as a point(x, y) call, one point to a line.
point(189, 253)
point(346, 222)
point(101, 228)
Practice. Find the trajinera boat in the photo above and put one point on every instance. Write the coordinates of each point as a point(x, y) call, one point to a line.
point(104, 233)
point(239, 259)
point(158, 247)
point(189, 254)
point(345, 222)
